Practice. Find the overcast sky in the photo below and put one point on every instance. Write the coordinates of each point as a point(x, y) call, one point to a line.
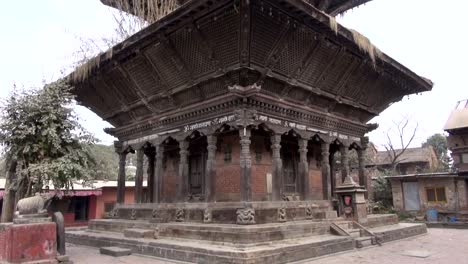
point(39, 39)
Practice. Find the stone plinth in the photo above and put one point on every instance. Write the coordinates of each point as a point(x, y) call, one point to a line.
point(28, 242)
point(352, 203)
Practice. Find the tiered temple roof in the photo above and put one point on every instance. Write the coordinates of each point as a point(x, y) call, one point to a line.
point(289, 50)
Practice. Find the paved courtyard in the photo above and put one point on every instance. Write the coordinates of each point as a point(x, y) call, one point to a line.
point(439, 246)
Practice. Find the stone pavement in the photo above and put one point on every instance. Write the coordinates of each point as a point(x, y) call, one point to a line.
point(438, 246)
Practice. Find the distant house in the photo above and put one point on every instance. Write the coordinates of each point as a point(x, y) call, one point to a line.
point(86, 202)
point(446, 192)
point(413, 160)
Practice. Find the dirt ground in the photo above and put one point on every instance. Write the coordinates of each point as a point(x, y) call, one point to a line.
point(438, 246)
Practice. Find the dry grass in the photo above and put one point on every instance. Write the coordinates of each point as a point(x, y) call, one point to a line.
point(149, 11)
point(366, 46)
point(145, 12)
point(333, 24)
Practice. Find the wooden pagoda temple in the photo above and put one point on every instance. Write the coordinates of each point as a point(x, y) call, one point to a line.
point(240, 107)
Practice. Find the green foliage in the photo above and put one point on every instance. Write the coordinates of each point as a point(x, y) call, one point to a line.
point(39, 130)
point(439, 143)
point(106, 162)
point(383, 192)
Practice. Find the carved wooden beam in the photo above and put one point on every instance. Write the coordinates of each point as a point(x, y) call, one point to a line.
point(327, 67)
point(120, 98)
point(138, 90)
point(245, 27)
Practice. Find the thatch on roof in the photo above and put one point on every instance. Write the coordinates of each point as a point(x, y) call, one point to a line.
point(148, 10)
point(366, 45)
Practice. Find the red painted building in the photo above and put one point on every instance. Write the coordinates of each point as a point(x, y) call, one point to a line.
point(86, 202)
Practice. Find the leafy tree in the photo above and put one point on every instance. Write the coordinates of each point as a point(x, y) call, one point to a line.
point(107, 162)
point(43, 143)
point(439, 143)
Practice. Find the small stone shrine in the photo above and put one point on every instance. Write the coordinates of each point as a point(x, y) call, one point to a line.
point(33, 237)
point(240, 107)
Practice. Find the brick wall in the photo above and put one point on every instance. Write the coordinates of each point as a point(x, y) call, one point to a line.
point(463, 194)
point(449, 193)
point(170, 172)
point(227, 182)
point(423, 184)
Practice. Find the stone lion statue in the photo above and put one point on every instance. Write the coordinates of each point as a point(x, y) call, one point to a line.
point(37, 204)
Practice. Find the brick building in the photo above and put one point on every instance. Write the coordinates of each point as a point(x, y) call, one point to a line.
point(240, 108)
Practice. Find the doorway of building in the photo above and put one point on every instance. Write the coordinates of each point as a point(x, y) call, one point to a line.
point(196, 172)
point(411, 196)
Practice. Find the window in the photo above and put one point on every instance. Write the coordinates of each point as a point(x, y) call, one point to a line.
point(465, 158)
point(436, 195)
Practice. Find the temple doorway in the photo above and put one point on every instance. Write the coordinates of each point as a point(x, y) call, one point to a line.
point(197, 164)
point(290, 158)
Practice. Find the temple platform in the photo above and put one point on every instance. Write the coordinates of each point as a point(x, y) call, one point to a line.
point(230, 243)
point(226, 212)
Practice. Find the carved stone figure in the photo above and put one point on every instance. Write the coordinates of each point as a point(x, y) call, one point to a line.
point(114, 213)
point(133, 214)
point(281, 214)
point(180, 215)
point(207, 216)
point(245, 216)
point(37, 204)
point(308, 213)
point(154, 213)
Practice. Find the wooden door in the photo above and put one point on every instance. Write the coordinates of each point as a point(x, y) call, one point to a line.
point(196, 174)
point(290, 172)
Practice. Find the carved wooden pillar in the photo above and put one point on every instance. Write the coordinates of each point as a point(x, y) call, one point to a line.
point(304, 168)
point(158, 176)
point(326, 171)
point(151, 155)
point(121, 178)
point(210, 171)
point(245, 165)
point(139, 176)
point(362, 171)
point(344, 149)
point(182, 182)
point(277, 170)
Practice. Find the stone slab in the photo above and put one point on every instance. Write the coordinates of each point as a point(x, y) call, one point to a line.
point(140, 233)
point(21, 221)
point(187, 250)
point(416, 253)
point(115, 251)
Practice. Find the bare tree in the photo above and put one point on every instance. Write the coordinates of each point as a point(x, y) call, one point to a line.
point(394, 151)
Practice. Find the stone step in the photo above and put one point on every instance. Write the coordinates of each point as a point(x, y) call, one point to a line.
point(354, 232)
point(284, 251)
point(115, 251)
point(140, 233)
point(244, 234)
point(361, 242)
point(118, 225)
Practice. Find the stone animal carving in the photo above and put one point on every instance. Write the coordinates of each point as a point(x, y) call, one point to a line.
point(246, 216)
point(37, 204)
